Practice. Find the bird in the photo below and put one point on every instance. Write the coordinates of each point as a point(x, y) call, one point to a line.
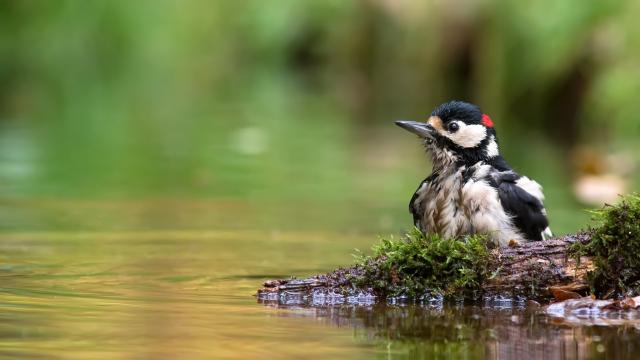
point(472, 189)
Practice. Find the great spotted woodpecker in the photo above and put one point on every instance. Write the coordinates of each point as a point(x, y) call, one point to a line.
point(472, 189)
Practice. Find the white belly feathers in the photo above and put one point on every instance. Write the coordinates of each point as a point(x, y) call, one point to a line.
point(454, 207)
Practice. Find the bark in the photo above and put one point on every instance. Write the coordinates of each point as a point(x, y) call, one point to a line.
point(541, 268)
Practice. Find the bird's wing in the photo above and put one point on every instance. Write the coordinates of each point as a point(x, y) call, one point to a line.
point(522, 199)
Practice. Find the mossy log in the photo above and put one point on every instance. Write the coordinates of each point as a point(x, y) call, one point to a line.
point(532, 271)
point(604, 261)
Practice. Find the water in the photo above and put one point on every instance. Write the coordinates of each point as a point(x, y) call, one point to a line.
point(165, 293)
point(180, 294)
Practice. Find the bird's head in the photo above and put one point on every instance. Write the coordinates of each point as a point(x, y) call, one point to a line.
point(456, 132)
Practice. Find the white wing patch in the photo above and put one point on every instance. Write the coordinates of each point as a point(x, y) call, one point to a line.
point(531, 187)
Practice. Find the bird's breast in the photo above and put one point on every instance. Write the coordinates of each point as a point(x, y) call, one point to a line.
point(442, 202)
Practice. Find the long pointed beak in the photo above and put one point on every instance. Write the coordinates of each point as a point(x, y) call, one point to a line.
point(421, 129)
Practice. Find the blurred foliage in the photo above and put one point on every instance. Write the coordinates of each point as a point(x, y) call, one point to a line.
point(292, 100)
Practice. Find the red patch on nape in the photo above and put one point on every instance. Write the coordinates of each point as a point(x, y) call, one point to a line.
point(486, 120)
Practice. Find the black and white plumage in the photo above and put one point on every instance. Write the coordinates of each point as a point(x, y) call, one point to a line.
point(472, 189)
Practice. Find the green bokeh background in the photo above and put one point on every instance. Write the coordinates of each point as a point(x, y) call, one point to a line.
point(278, 114)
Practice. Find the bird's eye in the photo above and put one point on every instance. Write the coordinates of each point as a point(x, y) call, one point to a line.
point(453, 127)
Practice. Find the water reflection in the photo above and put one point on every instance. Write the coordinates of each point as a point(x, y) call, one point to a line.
point(188, 294)
point(471, 332)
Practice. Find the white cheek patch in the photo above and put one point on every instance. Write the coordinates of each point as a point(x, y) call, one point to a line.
point(467, 136)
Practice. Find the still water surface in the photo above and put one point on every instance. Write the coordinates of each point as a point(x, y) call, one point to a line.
point(176, 293)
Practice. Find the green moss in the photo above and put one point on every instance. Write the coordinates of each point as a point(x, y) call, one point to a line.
point(615, 248)
point(417, 263)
